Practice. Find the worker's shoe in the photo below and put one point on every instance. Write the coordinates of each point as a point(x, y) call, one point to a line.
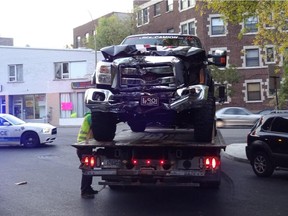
point(87, 195)
point(91, 191)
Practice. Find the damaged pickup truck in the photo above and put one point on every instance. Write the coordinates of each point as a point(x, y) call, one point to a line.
point(154, 80)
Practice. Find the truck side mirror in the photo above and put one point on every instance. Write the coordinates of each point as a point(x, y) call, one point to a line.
point(219, 58)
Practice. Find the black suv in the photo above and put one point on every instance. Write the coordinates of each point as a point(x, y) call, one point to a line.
point(267, 144)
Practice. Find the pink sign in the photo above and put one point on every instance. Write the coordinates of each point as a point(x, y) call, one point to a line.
point(66, 106)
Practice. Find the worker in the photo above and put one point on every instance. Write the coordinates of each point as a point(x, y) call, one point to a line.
point(85, 133)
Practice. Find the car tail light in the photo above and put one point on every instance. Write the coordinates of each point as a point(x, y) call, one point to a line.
point(212, 163)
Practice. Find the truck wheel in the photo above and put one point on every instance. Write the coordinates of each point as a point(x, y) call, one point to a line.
point(30, 139)
point(204, 121)
point(262, 165)
point(103, 126)
point(137, 126)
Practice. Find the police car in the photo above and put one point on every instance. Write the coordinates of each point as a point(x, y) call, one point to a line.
point(18, 132)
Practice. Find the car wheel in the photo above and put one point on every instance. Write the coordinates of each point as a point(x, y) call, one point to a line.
point(30, 139)
point(262, 164)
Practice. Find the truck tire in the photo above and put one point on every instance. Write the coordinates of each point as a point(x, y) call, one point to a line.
point(137, 126)
point(204, 121)
point(103, 126)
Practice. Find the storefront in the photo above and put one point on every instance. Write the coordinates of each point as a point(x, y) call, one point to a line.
point(28, 107)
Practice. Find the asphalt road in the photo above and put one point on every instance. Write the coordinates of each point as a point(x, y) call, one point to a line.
point(53, 188)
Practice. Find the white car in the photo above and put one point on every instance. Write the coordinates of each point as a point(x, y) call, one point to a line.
point(235, 116)
point(18, 132)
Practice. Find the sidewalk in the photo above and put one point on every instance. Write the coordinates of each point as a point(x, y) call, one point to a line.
point(236, 151)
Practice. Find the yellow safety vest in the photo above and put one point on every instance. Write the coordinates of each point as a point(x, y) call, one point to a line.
point(85, 128)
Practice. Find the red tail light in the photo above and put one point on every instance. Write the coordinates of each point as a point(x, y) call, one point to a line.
point(212, 162)
point(134, 162)
point(89, 161)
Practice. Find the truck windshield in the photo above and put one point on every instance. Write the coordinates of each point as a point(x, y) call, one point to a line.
point(163, 40)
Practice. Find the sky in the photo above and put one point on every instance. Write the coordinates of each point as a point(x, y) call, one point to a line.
point(50, 23)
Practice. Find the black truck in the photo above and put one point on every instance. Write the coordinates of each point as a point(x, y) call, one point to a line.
point(161, 86)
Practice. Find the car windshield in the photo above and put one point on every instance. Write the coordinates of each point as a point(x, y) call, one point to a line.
point(163, 40)
point(14, 120)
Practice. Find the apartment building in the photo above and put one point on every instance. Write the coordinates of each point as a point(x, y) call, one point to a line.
point(45, 85)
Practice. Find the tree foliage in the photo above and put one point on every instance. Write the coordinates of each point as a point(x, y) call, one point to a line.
point(272, 24)
point(112, 30)
point(225, 77)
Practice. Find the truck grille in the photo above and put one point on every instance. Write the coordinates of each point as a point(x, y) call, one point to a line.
point(147, 75)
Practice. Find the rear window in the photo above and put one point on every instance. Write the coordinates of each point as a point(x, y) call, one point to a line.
point(280, 124)
point(267, 124)
point(163, 40)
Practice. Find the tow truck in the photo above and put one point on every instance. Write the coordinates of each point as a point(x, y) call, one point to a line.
point(157, 156)
point(149, 80)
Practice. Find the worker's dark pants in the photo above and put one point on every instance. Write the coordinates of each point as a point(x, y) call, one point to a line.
point(86, 181)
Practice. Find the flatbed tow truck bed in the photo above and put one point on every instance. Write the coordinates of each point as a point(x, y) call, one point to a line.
point(154, 157)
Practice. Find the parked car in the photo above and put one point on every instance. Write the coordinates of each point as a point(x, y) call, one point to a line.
point(267, 144)
point(15, 131)
point(235, 116)
point(268, 111)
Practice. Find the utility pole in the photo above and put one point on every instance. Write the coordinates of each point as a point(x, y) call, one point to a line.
point(95, 32)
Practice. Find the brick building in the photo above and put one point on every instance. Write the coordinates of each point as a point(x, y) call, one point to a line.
point(181, 16)
point(83, 33)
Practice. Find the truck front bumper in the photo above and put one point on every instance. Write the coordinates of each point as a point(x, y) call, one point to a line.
point(103, 100)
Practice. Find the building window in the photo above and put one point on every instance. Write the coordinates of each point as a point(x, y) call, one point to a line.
point(87, 37)
point(142, 17)
point(252, 58)
point(254, 91)
point(34, 106)
point(217, 26)
point(157, 9)
point(270, 55)
point(169, 5)
point(72, 105)
point(188, 28)
point(185, 4)
point(78, 42)
point(16, 73)
point(250, 24)
point(70, 70)
point(171, 30)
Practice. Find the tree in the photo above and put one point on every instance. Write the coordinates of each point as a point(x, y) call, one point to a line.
point(225, 77)
point(112, 30)
point(272, 24)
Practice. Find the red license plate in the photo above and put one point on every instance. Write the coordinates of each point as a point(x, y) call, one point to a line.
point(149, 101)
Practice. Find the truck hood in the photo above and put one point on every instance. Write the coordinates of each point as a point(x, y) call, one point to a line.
point(185, 53)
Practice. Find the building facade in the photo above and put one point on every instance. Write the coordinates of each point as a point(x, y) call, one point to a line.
point(45, 85)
